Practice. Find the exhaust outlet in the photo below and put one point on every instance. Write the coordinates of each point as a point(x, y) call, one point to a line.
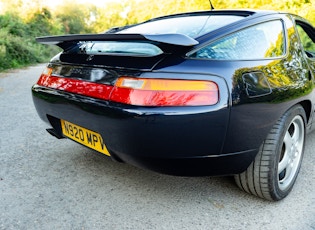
point(54, 133)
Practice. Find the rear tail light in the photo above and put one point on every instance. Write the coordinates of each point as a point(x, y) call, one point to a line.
point(87, 88)
point(139, 91)
point(164, 92)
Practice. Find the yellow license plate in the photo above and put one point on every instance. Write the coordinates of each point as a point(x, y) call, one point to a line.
point(84, 136)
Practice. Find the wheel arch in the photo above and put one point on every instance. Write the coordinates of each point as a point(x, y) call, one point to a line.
point(307, 106)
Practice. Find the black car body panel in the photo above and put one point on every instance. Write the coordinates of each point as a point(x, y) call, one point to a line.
point(217, 139)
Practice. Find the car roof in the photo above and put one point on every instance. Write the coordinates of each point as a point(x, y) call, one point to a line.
point(236, 12)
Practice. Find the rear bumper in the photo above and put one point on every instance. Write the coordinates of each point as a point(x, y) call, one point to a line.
point(212, 165)
point(170, 140)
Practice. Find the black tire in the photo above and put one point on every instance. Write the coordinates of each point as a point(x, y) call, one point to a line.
point(273, 172)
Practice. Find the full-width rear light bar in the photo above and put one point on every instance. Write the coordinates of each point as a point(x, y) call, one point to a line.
point(139, 91)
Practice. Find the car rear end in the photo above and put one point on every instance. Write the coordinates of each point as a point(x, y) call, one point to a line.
point(107, 92)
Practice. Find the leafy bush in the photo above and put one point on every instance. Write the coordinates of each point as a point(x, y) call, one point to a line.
point(17, 41)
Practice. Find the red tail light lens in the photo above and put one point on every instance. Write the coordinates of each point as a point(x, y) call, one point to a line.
point(77, 86)
point(139, 91)
point(164, 92)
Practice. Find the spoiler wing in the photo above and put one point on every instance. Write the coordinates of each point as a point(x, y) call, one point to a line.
point(166, 41)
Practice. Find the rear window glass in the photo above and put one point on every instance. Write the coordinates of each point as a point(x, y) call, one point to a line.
point(192, 26)
point(307, 42)
point(265, 40)
point(120, 48)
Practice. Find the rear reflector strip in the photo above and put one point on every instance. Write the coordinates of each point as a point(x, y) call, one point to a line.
point(139, 91)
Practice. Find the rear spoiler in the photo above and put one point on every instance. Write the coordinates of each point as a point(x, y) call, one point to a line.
point(165, 40)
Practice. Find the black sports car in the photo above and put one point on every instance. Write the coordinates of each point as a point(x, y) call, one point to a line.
point(222, 92)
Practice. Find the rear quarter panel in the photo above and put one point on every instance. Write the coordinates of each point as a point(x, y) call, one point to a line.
point(251, 118)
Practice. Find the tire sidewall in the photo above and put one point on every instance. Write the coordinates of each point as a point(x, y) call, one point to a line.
point(286, 119)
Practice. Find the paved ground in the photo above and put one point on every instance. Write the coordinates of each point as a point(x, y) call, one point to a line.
point(47, 183)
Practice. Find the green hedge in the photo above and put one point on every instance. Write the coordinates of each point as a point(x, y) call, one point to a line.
point(17, 42)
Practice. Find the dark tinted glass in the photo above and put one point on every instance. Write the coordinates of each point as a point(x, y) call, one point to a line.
point(192, 26)
point(265, 40)
point(120, 48)
point(307, 42)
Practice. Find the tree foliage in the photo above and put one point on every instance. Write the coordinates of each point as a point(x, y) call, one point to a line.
point(17, 43)
point(23, 20)
point(134, 11)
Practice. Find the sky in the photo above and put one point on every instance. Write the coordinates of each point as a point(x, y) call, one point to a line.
point(53, 3)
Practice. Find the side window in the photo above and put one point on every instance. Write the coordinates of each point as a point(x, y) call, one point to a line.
point(307, 42)
point(265, 40)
